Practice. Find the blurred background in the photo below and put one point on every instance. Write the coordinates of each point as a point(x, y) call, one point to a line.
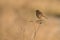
point(18, 20)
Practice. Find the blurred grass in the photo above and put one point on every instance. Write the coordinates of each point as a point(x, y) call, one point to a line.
point(19, 10)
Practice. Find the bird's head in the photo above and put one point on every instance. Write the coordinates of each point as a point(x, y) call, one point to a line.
point(37, 10)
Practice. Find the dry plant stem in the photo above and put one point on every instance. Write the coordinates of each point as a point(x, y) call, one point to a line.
point(35, 32)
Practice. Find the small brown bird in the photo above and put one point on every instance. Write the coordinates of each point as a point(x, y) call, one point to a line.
point(39, 14)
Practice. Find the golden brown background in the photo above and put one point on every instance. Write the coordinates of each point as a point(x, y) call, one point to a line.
point(18, 20)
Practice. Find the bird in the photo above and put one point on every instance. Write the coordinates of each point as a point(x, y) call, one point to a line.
point(39, 15)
